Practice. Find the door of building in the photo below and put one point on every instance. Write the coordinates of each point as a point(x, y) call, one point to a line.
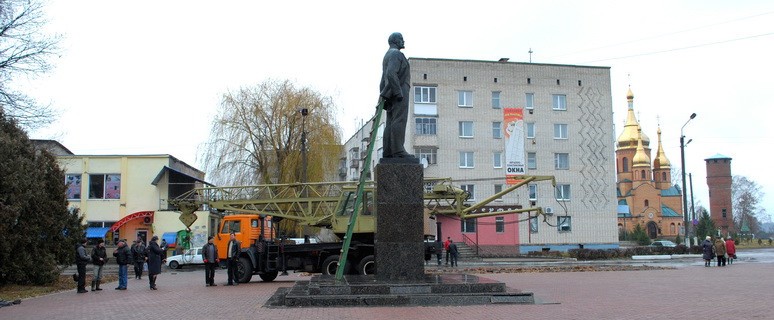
point(652, 230)
point(143, 234)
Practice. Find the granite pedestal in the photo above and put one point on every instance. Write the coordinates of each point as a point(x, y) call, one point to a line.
point(364, 291)
point(398, 246)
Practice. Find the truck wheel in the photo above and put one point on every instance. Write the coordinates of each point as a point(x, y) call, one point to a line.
point(367, 266)
point(269, 276)
point(244, 270)
point(330, 264)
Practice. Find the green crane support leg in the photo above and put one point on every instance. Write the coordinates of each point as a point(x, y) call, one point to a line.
point(360, 187)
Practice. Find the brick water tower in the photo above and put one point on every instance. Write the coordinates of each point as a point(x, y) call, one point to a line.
point(719, 183)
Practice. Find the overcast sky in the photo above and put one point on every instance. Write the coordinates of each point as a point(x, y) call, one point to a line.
point(145, 77)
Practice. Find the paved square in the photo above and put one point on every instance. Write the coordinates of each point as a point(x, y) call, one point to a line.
point(740, 291)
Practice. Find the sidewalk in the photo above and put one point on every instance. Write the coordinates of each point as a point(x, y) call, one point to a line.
point(691, 292)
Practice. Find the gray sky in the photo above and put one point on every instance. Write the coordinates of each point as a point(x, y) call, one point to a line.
point(145, 77)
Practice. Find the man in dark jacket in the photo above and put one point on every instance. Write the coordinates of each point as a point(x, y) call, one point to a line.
point(98, 258)
point(81, 260)
point(453, 253)
point(232, 256)
point(138, 253)
point(123, 258)
point(210, 257)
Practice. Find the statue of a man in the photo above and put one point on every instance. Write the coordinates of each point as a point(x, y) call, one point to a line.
point(394, 89)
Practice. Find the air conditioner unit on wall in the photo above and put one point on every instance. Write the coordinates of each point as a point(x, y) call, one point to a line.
point(549, 211)
point(147, 220)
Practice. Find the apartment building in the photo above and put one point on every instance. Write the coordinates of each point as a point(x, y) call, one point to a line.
point(459, 127)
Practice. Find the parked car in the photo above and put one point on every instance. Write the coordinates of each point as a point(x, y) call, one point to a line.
point(663, 243)
point(189, 257)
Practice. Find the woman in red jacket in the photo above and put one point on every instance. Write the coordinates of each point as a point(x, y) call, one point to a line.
point(730, 250)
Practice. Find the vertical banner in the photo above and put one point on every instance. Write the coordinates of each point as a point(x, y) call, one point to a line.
point(514, 144)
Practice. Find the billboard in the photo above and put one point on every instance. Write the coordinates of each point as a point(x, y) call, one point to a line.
point(514, 144)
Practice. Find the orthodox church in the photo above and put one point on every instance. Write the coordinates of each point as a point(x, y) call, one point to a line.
point(646, 195)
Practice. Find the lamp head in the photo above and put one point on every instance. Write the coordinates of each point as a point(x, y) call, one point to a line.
point(693, 115)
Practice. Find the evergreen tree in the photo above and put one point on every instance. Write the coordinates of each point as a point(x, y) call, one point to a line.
point(706, 226)
point(639, 235)
point(38, 231)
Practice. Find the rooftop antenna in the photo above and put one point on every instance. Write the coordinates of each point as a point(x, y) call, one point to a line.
point(530, 55)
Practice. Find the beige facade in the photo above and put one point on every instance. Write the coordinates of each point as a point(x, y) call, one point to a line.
point(130, 193)
point(456, 125)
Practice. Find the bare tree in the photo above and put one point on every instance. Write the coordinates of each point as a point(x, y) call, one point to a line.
point(746, 196)
point(24, 50)
point(256, 136)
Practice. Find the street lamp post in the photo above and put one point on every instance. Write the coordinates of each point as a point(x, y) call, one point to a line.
point(682, 160)
point(304, 113)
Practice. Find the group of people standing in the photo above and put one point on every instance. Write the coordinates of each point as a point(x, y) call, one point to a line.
point(722, 250)
point(211, 260)
point(138, 255)
point(452, 254)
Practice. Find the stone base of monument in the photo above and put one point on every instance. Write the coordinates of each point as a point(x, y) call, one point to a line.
point(365, 291)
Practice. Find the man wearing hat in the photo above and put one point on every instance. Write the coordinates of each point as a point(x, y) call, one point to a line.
point(98, 258)
point(210, 257)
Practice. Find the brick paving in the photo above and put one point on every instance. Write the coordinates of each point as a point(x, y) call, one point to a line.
point(740, 291)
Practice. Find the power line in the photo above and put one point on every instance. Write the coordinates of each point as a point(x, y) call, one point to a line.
point(662, 35)
point(681, 48)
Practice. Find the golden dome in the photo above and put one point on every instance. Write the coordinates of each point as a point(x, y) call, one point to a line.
point(641, 158)
point(661, 159)
point(631, 131)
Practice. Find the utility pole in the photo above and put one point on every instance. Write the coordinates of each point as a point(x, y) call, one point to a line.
point(304, 113)
point(530, 55)
point(682, 159)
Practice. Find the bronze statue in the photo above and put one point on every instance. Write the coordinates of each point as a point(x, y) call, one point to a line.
point(394, 90)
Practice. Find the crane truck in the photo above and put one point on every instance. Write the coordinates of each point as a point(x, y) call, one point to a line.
point(246, 209)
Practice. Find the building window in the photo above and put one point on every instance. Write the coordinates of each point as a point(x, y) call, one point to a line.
point(497, 189)
point(647, 203)
point(465, 99)
point(533, 224)
point(560, 131)
point(466, 159)
point(562, 192)
point(499, 224)
point(470, 188)
point(428, 153)
point(564, 223)
point(642, 175)
point(424, 94)
point(466, 129)
point(560, 101)
point(426, 126)
point(562, 161)
point(663, 176)
point(672, 228)
point(530, 101)
point(625, 165)
point(496, 99)
point(532, 192)
point(531, 160)
point(468, 225)
point(723, 212)
point(497, 159)
point(104, 186)
point(73, 182)
point(531, 130)
point(497, 130)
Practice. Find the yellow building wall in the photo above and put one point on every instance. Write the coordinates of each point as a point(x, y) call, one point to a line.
point(136, 194)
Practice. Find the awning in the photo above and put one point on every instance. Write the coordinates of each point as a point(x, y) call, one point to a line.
point(95, 232)
point(136, 215)
point(181, 175)
point(171, 238)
